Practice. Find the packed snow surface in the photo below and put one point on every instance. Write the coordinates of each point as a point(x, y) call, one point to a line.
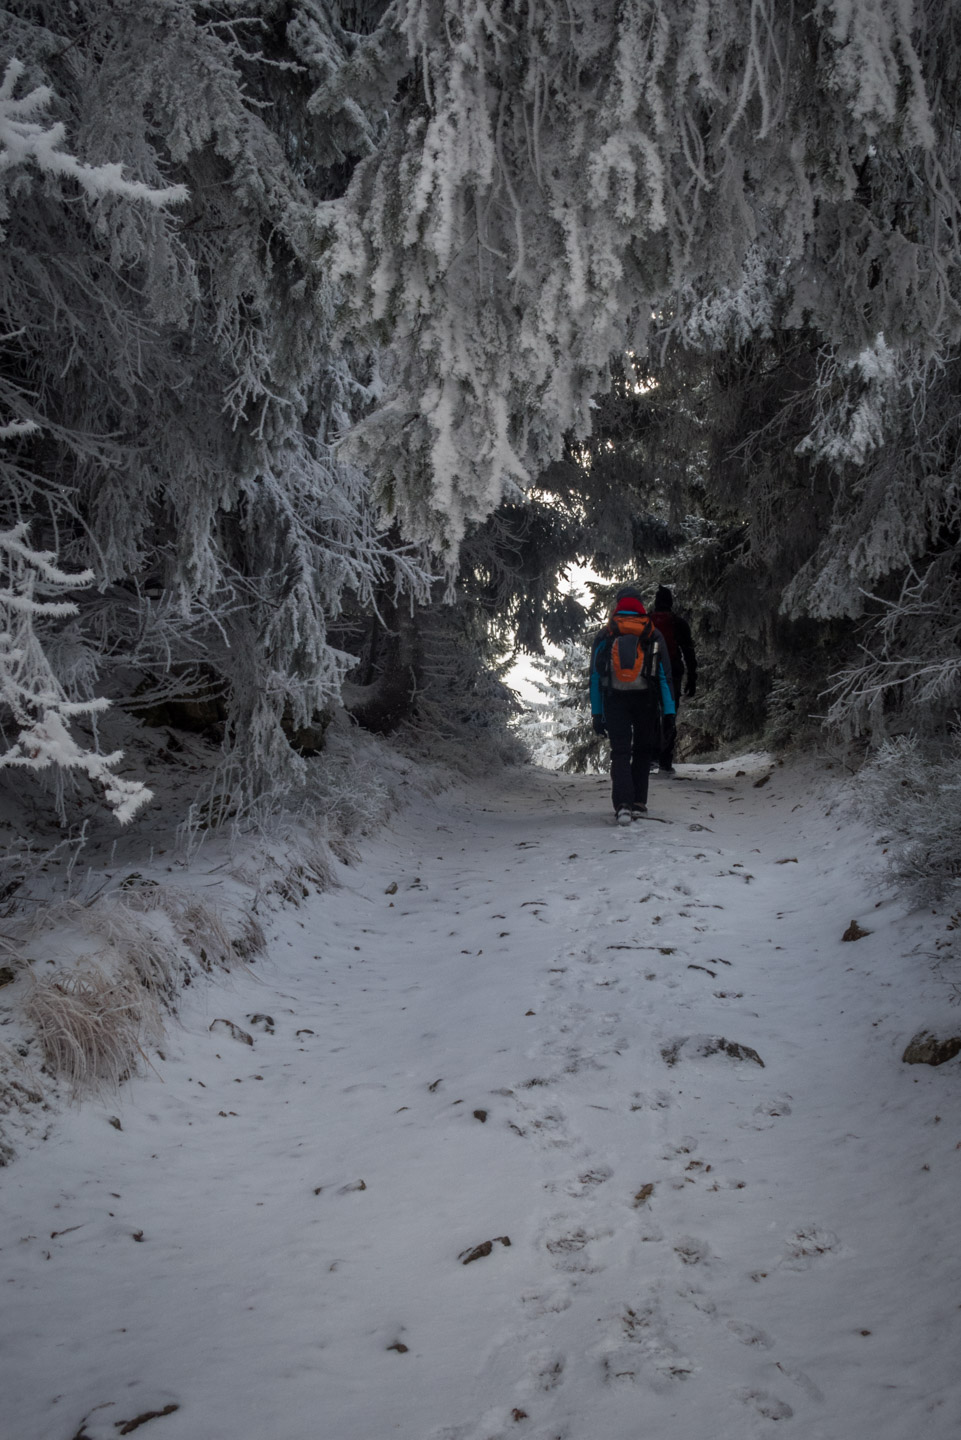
point(636, 1073)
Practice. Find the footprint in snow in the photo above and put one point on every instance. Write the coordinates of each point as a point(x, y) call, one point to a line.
point(548, 1124)
point(653, 1100)
point(803, 1381)
point(579, 1062)
point(809, 1244)
point(691, 1251)
point(686, 1145)
point(588, 1181)
point(568, 1251)
point(639, 1348)
point(649, 1233)
point(749, 1334)
point(776, 1106)
point(767, 1405)
point(696, 1297)
point(547, 1368)
point(552, 1303)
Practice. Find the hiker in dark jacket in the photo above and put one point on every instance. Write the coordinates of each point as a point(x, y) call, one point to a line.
point(630, 718)
point(680, 647)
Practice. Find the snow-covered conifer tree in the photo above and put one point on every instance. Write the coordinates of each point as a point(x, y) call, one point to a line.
point(35, 710)
point(558, 728)
point(180, 361)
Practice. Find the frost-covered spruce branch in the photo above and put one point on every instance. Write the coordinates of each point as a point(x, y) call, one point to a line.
point(24, 140)
point(32, 699)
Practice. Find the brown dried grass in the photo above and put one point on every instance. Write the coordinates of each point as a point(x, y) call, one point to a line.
point(93, 1026)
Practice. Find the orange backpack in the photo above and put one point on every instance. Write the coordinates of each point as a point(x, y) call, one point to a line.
point(631, 655)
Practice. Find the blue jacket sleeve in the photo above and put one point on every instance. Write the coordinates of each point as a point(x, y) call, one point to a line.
point(667, 697)
point(664, 675)
point(597, 700)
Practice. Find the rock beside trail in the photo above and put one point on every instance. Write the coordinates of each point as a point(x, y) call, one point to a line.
point(228, 1027)
point(693, 1045)
point(479, 1252)
point(926, 1048)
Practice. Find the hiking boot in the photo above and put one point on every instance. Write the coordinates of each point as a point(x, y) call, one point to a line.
point(623, 816)
point(638, 812)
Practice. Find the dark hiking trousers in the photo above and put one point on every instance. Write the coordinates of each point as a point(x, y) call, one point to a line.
point(634, 730)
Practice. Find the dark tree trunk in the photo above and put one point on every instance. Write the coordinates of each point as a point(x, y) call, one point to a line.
point(391, 672)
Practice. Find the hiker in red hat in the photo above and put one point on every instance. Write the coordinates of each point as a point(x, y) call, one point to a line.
point(630, 680)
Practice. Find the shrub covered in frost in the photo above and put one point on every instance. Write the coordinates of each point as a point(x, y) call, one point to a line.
point(911, 793)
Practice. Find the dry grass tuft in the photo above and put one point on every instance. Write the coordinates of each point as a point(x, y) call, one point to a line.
point(93, 1026)
point(250, 941)
point(160, 931)
point(204, 930)
point(317, 860)
point(94, 1019)
point(343, 847)
point(140, 943)
point(299, 879)
point(205, 934)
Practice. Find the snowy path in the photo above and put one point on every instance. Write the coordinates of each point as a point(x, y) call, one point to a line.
point(706, 1249)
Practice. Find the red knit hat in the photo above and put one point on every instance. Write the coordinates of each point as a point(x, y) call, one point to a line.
point(627, 598)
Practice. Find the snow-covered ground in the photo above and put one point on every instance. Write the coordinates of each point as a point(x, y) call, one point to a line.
point(502, 1031)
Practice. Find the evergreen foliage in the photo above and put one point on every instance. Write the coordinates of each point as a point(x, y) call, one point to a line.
point(555, 173)
point(558, 728)
point(30, 694)
point(172, 390)
point(910, 792)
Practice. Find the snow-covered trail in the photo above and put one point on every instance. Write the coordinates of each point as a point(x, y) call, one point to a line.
point(274, 1242)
